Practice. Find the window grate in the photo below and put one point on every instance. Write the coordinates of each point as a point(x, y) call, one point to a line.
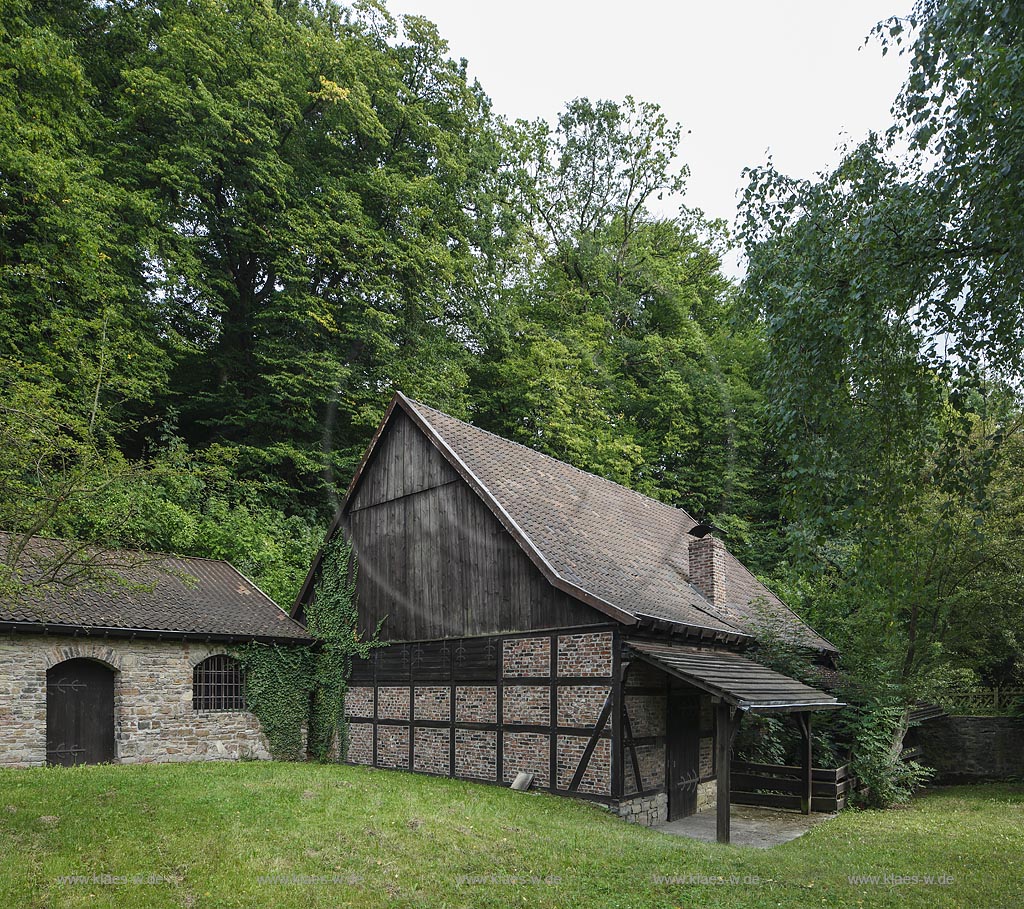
point(218, 684)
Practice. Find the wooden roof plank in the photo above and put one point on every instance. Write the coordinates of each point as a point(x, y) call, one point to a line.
point(736, 679)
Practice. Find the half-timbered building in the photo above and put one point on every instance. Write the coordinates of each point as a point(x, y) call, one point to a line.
point(542, 620)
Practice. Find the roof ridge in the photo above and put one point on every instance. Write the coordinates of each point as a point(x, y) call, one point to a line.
point(676, 509)
point(147, 552)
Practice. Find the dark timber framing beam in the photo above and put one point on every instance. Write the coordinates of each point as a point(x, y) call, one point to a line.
point(807, 759)
point(726, 726)
point(584, 763)
point(618, 707)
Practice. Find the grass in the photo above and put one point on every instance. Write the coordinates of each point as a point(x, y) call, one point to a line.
point(211, 835)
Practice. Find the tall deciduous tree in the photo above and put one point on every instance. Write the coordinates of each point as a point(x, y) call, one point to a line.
point(890, 296)
point(622, 356)
point(299, 205)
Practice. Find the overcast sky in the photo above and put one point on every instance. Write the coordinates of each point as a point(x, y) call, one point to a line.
point(745, 77)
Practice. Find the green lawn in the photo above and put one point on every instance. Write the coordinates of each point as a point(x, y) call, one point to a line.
point(292, 835)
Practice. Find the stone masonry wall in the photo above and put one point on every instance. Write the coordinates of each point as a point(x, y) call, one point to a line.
point(476, 754)
point(648, 810)
point(393, 746)
point(969, 748)
point(476, 704)
point(153, 715)
point(707, 795)
point(360, 743)
point(433, 702)
point(527, 751)
point(527, 705)
point(431, 750)
point(393, 703)
point(522, 657)
point(597, 778)
point(581, 705)
point(585, 654)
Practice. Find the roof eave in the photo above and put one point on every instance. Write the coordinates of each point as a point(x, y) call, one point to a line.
point(657, 623)
point(65, 629)
point(792, 708)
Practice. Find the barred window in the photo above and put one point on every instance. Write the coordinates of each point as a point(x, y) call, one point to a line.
point(218, 684)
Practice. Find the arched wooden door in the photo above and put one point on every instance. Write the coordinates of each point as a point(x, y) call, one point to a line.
point(79, 713)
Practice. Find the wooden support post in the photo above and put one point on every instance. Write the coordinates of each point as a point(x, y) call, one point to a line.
point(807, 762)
point(723, 742)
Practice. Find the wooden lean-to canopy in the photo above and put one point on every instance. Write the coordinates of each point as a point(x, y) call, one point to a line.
point(734, 679)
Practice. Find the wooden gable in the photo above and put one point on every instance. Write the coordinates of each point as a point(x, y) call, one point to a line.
point(432, 558)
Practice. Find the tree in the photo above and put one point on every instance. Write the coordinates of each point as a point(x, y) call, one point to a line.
point(622, 356)
point(891, 308)
point(229, 231)
point(300, 206)
point(962, 114)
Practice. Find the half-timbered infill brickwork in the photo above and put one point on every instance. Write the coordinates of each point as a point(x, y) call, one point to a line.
point(489, 708)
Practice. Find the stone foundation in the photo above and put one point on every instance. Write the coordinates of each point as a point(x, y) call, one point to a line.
point(649, 810)
point(153, 715)
point(707, 795)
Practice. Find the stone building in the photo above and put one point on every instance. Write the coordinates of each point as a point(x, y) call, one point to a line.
point(540, 619)
point(130, 665)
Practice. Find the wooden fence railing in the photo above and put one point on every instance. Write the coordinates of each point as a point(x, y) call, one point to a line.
point(779, 786)
point(982, 701)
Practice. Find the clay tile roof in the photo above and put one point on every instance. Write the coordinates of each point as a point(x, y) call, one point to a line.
point(622, 547)
point(147, 593)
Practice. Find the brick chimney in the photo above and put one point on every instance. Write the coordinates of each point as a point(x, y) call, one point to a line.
point(707, 568)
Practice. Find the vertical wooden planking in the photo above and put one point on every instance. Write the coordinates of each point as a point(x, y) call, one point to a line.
point(435, 560)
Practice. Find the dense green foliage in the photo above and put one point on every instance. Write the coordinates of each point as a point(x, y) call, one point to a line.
point(620, 354)
point(332, 620)
point(231, 230)
point(299, 836)
point(889, 290)
point(278, 688)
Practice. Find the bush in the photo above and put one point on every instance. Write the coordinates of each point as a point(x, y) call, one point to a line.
point(877, 729)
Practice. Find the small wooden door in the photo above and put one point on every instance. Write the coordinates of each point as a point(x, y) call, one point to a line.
point(79, 713)
point(682, 751)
